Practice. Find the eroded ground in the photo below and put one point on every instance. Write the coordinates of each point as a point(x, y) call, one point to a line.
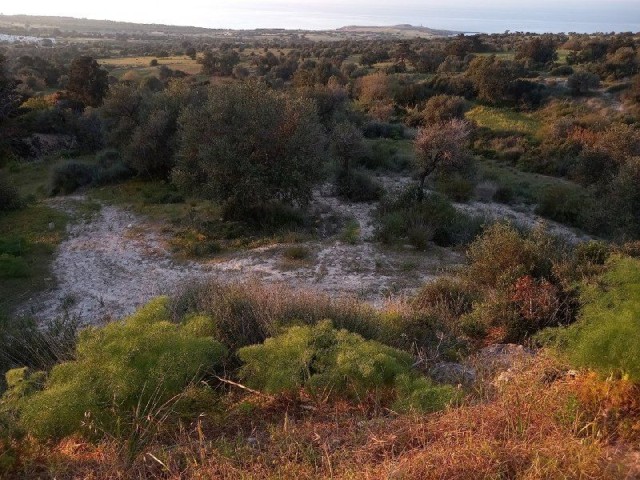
point(114, 261)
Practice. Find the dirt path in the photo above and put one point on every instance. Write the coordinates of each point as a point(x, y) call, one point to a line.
point(115, 261)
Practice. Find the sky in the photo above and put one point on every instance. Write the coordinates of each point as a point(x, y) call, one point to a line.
point(463, 15)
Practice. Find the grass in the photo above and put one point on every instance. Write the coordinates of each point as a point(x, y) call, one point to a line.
point(527, 187)
point(606, 337)
point(504, 120)
point(141, 65)
point(351, 233)
point(32, 226)
point(525, 430)
point(32, 178)
point(196, 226)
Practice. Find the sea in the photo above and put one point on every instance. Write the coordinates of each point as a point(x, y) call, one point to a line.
point(555, 17)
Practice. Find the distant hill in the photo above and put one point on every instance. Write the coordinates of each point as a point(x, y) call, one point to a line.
point(84, 25)
point(405, 30)
point(53, 26)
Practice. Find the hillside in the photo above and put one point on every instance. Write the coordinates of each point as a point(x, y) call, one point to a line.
point(398, 31)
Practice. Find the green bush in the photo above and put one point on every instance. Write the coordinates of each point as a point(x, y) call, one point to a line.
point(503, 195)
point(13, 267)
point(455, 187)
point(142, 362)
point(606, 336)
point(502, 254)
point(111, 168)
point(25, 342)
point(357, 186)
point(383, 154)
point(327, 361)
point(296, 253)
point(416, 393)
point(421, 221)
point(9, 196)
point(565, 204)
point(70, 177)
point(16, 246)
point(247, 314)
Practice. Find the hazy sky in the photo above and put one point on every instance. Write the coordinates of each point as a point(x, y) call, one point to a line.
point(487, 16)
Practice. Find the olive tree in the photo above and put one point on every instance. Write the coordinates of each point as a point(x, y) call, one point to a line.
point(247, 145)
point(88, 83)
point(441, 147)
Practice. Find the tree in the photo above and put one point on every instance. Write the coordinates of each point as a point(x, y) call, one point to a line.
point(347, 143)
point(581, 83)
point(442, 108)
point(493, 78)
point(443, 147)
point(220, 64)
point(538, 50)
point(247, 146)
point(88, 83)
point(9, 98)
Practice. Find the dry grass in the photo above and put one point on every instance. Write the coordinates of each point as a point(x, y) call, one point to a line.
point(527, 430)
point(182, 63)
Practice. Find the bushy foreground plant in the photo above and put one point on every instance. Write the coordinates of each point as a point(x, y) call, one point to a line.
point(248, 313)
point(25, 342)
point(525, 283)
point(607, 335)
point(338, 363)
point(423, 220)
point(125, 367)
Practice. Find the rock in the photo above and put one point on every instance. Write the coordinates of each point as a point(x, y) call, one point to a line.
point(52, 226)
point(453, 373)
point(501, 356)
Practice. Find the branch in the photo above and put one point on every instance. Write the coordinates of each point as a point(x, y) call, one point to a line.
point(243, 387)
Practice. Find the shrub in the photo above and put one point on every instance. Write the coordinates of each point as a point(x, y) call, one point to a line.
point(36, 345)
point(442, 108)
point(384, 155)
point(249, 145)
point(113, 174)
point(357, 186)
point(565, 204)
point(13, 267)
point(456, 187)
point(351, 233)
point(562, 71)
point(246, 314)
point(375, 129)
point(70, 177)
point(502, 254)
point(583, 82)
point(503, 195)
point(416, 393)
point(140, 363)
point(606, 336)
point(447, 298)
point(338, 363)
point(9, 196)
point(108, 157)
point(297, 252)
point(421, 221)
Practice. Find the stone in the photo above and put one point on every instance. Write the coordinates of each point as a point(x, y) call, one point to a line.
point(453, 373)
